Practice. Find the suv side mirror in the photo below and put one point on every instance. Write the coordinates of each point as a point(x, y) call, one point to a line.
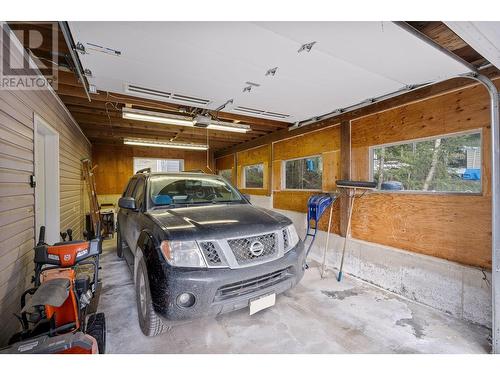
point(127, 203)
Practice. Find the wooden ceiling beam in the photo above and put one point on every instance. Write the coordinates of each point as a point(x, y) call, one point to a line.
point(69, 79)
point(68, 88)
point(103, 110)
point(161, 133)
point(45, 30)
point(120, 134)
point(440, 33)
point(117, 121)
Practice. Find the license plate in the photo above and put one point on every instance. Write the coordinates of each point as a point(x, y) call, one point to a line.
point(262, 303)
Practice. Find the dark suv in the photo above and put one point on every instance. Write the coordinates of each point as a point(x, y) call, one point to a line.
point(197, 247)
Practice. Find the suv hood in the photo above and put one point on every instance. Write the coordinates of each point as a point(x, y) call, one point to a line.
point(217, 221)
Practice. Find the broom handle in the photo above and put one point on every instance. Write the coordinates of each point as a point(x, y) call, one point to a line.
point(327, 240)
point(348, 232)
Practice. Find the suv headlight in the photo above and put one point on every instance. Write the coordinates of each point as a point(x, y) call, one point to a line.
point(183, 254)
point(293, 237)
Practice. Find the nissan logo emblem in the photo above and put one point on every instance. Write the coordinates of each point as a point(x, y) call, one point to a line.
point(256, 248)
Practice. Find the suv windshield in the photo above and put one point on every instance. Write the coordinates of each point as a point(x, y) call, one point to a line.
point(182, 190)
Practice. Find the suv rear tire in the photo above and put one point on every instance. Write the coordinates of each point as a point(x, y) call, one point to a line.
point(150, 323)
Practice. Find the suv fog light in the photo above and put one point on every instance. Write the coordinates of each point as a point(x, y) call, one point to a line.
point(185, 300)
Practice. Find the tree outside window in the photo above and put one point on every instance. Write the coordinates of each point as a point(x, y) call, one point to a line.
point(450, 163)
point(254, 176)
point(304, 174)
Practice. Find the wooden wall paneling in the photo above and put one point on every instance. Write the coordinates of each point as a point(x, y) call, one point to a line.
point(115, 163)
point(227, 162)
point(313, 143)
point(331, 170)
point(440, 225)
point(345, 172)
point(452, 227)
point(276, 171)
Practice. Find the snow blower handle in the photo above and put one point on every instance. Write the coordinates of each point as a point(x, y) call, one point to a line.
point(41, 236)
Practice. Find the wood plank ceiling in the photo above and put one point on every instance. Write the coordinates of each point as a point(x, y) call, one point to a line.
point(102, 122)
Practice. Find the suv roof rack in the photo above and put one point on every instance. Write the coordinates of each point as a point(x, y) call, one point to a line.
point(194, 171)
point(143, 170)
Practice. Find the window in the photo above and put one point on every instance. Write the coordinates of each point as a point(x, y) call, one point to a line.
point(253, 176)
point(159, 165)
point(450, 163)
point(303, 174)
point(226, 173)
point(169, 190)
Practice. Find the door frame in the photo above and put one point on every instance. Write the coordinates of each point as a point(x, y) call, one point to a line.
point(52, 201)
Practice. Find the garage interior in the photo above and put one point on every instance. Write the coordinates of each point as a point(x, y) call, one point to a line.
point(333, 100)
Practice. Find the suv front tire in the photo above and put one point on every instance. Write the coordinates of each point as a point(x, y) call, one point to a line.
point(150, 323)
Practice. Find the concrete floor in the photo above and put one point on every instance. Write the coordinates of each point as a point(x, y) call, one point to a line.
point(317, 316)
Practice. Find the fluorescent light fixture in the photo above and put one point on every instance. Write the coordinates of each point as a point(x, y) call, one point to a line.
point(229, 127)
point(158, 117)
point(153, 143)
point(165, 118)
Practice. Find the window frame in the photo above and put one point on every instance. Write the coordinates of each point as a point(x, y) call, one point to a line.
point(147, 158)
point(283, 173)
point(371, 150)
point(139, 202)
point(244, 177)
point(131, 184)
point(219, 173)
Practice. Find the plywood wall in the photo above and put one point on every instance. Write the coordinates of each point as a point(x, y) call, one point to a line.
point(455, 227)
point(451, 226)
point(258, 155)
point(227, 162)
point(115, 163)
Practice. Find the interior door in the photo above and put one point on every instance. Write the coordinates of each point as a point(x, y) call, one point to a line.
point(40, 182)
point(47, 188)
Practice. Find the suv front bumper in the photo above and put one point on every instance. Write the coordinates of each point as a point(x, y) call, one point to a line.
point(221, 290)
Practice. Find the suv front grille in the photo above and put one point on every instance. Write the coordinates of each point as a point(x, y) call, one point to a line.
point(254, 248)
point(251, 285)
point(211, 254)
point(285, 238)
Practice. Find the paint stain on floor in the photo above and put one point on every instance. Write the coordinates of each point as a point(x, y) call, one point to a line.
point(417, 328)
point(341, 294)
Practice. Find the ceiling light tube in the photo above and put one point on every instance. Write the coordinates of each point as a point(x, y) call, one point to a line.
point(226, 128)
point(158, 117)
point(153, 143)
point(165, 118)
